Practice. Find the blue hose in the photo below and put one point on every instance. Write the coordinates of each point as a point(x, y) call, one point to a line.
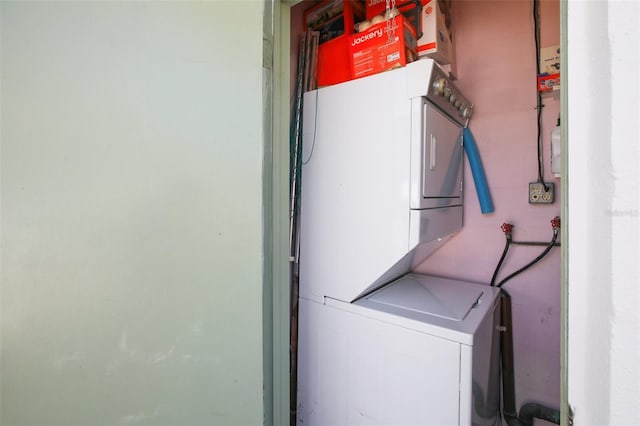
point(479, 178)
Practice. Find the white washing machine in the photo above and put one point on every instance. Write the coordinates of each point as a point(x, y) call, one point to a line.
point(422, 351)
point(381, 191)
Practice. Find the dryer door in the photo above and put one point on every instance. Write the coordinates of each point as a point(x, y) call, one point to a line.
point(442, 159)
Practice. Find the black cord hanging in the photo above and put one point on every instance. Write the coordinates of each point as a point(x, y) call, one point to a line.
point(539, 105)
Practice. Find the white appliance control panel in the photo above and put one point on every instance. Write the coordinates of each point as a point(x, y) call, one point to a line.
point(446, 96)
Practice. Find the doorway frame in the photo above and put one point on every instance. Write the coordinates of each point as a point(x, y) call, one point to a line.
point(281, 296)
point(278, 392)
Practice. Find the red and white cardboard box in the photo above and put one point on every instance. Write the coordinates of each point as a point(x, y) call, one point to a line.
point(376, 50)
point(436, 41)
point(375, 7)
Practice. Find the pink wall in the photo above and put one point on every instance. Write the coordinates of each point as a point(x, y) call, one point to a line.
point(496, 70)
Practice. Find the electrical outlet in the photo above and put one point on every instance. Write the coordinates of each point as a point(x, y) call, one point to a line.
point(538, 195)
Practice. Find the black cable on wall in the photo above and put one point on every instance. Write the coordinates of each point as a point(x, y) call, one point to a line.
point(539, 105)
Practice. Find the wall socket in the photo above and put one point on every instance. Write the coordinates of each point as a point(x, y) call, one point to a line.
point(537, 194)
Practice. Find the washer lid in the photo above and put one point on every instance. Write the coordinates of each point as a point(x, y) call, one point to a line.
point(430, 296)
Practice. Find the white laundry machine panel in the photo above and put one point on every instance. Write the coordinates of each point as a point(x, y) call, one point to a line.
point(381, 181)
point(381, 190)
point(421, 351)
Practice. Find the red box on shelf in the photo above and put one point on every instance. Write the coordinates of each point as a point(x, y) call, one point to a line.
point(335, 21)
point(411, 9)
point(431, 20)
point(375, 50)
point(546, 82)
point(375, 7)
point(333, 61)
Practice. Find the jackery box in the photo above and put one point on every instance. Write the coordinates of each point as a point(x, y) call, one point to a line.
point(383, 46)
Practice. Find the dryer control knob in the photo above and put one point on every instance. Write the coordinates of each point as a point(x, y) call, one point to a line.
point(439, 86)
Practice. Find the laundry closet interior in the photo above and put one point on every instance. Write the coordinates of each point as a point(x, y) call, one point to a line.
point(496, 227)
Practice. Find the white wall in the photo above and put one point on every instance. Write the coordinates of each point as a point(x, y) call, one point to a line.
point(604, 212)
point(131, 213)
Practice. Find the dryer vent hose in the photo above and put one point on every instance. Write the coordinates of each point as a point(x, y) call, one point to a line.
point(479, 178)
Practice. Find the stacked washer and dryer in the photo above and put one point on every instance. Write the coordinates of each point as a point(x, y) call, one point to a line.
point(381, 191)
